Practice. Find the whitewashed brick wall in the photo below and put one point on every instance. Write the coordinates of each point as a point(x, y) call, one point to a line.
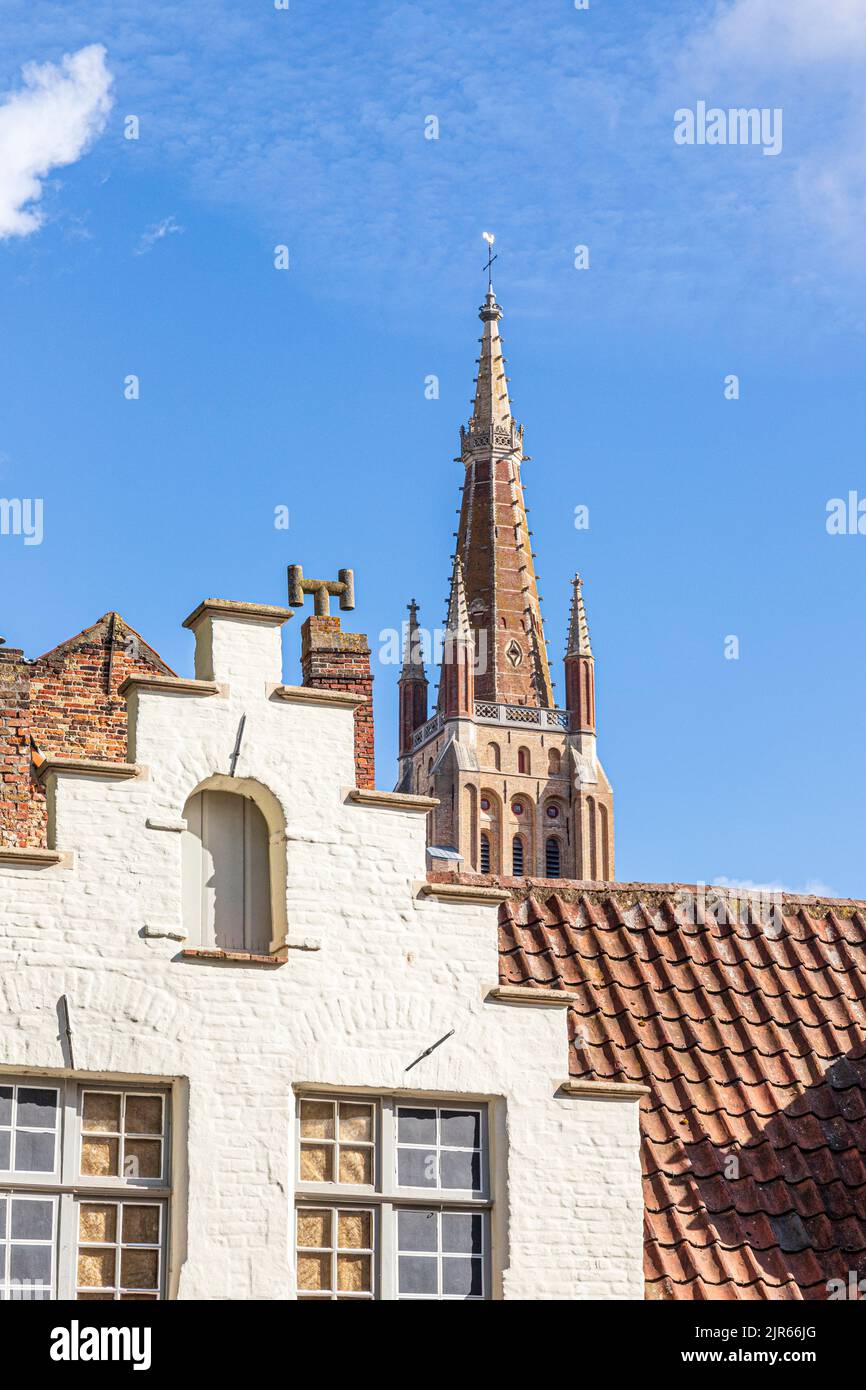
point(393, 974)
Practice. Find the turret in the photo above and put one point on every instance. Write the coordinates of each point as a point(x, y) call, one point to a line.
point(413, 683)
point(457, 694)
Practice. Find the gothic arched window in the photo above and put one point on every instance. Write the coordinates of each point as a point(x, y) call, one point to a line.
point(552, 859)
point(554, 762)
point(517, 856)
point(226, 873)
point(523, 763)
point(495, 755)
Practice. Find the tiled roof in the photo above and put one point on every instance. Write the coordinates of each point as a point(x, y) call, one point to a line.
point(752, 1037)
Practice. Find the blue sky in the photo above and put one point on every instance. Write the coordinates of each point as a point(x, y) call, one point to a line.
point(261, 127)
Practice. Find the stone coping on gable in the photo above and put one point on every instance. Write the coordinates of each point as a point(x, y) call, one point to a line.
point(395, 801)
point(463, 893)
point(312, 695)
point(615, 1090)
point(86, 767)
point(33, 857)
point(226, 608)
point(175, 685)
point(545, 998)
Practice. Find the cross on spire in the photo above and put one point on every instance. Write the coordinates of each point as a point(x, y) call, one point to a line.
point(490, 238)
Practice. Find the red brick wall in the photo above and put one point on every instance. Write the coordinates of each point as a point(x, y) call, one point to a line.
point(67, 701)
point(15, 788)
point(335, 660)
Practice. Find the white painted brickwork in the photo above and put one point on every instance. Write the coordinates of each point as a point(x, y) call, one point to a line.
point(393, 974)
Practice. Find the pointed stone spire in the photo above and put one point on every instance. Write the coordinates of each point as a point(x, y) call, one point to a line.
point(458, 624)
point(457, 687)
point(413, 654)
point(493, 541)
point(412, 686)
point(579, 667)
point(578, 627)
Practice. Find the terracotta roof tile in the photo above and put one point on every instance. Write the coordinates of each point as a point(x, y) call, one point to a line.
point(752, 1039)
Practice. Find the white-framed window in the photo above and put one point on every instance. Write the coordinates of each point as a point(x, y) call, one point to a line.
point(84, 1189)
point(393, 1198)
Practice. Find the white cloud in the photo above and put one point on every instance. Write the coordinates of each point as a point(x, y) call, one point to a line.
point(167, 227)
point(50, 123)
point(781, 33)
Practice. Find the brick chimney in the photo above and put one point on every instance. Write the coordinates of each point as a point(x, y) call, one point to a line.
point(335, 660)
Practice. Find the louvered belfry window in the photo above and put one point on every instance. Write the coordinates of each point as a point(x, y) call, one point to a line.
point(517, 856)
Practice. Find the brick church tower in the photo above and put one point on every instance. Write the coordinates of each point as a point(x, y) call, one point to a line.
point(521, 791)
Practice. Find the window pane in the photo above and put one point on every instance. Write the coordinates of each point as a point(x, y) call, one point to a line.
point(354, 1230)
point(356, 1165)
point(139, 1269)
point(5, 1149)
point(97, 1221)
point(317, 1119)
point(142, 1158)
point(2, 1226)
point(461, 1278)
point(101, 1112)
point(30, 1264)
point(30, 1293)
point(356, 1121)
point(34, 1152)
point(353, 1273)
point(416, 1168)
point(140, 1225)
point(417, 1230)
point(460, 1170)
point(37, 1108)
point(32, 1220)
point(5, 1105)
point(314, 1228)
point(143, 1114)
point(461, 1232)
point(100, 1158)
point(417, 1274)
point(314, 1272)
point(416, 1126)
point(96, 1268)
point(317, 1163)
point(460, 1129)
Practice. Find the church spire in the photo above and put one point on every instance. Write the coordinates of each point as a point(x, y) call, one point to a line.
point(493, 540)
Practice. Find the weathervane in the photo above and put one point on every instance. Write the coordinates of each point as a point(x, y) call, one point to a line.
point(489, 238)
